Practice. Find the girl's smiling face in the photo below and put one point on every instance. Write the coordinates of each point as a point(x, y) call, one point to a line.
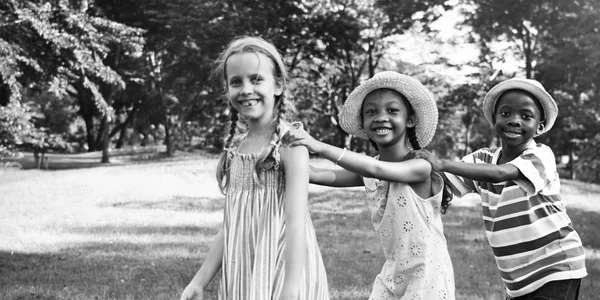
point(251, 86)
point(385, 117)
point(517, 117)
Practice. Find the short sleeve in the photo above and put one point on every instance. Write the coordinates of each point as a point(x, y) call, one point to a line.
point(538, 166)
point(461, 186)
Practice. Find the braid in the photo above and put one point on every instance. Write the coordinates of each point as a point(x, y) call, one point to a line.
point(232, 125)
point(412, 137)
point(224, 160)
point(280, 116)
point(446, 192)
point(446, 197)
point(373, 144)
point(269, 152)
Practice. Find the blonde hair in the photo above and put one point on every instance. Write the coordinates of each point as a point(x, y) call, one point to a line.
point(283, 107)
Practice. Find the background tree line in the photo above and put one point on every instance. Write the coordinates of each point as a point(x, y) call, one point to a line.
point(86, 75)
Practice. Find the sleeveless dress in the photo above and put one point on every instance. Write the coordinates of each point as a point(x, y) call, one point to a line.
point(254, 228)
point(410, 229)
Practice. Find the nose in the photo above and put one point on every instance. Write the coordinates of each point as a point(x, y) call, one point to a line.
point(381, 118)
point(247, 88)
point(514, 121)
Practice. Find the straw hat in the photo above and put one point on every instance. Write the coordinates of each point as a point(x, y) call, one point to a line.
point(528, 85)
point(417, 94)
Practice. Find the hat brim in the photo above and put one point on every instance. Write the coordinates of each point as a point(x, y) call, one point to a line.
point(531, 86)
point(419, 97)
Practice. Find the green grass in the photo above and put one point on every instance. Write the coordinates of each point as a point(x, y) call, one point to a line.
point(140, 231)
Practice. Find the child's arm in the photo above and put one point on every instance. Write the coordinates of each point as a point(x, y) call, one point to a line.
point(295, 163)
point(473, 171)
point(414, 170)
point(210, 267)
point(334, 177)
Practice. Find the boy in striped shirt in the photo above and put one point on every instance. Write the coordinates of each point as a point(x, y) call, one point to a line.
point(538, 253)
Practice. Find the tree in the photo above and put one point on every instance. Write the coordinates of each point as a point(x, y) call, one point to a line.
point(352, 37)
point(558, 40)
point(61, 46)
point(523, 24)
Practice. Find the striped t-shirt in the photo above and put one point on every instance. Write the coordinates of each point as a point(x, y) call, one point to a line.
point(525, 221)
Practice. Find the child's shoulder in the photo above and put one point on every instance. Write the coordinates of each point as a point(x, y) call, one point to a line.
point(484, 155)
point(539, 151)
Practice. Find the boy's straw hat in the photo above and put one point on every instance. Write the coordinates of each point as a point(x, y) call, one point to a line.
point(417, 94)
point(528, 85)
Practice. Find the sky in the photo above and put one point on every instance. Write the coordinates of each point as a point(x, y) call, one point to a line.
point(450, 43)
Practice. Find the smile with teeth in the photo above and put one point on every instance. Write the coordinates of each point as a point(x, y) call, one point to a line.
point(382, 130)
point(248, 103)
point(512, 133)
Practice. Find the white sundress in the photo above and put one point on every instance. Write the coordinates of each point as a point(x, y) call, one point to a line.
point(254, 230)
point(410, 229)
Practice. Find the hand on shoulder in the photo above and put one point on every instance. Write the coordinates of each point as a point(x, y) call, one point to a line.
point(297, 136)
point(436, 163)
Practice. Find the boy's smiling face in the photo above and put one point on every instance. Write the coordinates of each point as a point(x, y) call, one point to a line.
point(517, 117)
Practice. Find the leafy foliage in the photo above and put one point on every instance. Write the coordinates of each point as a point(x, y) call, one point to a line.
point(53, 42)
point(558, 42)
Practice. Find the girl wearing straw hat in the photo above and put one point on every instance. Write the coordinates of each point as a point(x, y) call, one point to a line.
point(398, 114)
point(538, 253)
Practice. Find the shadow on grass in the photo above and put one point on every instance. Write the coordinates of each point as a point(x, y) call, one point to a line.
point(109, 270)
point(176, 203)
point(148, 267)
point(475, 270)
point(156, 231)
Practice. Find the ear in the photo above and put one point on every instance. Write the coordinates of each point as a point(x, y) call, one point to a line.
point(541, 127)
point(278, 88)
point(412, 121)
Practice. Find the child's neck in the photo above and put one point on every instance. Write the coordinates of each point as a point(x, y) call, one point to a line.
point(511, 152)
point(395, 153)
point(259, 134)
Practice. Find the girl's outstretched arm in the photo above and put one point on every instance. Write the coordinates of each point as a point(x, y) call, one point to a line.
point(414, 170)
point(473, 171)
point(295, 164)
point(210, 267)
point(334, 177)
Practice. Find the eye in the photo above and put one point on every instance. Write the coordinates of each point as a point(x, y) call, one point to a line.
point(234, 82)
point(393, 110)
point(504, 113)
point(256, 79)
point(527, 116)
point(369, 111)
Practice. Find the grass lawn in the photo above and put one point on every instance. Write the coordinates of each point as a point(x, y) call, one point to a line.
point(141, 231)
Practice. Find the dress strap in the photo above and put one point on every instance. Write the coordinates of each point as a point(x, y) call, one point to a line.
point(275, 159)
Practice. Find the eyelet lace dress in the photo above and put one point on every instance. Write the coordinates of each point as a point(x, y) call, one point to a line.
point(417, 265)
point(254, 228)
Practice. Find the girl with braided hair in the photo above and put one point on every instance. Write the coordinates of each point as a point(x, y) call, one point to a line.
point(267, 248)
point(406, 199)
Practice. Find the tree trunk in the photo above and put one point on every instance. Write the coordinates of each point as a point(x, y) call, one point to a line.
point(122, 128)
point(89, 132)
point(572, 163)
point(100, 135)
point(106, 138)
point(165, 112)
point(107, 118)
point(467, 140)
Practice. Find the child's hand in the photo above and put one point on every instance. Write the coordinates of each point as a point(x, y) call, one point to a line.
point(436, 163)
point(192, 292)
point(297, 136)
